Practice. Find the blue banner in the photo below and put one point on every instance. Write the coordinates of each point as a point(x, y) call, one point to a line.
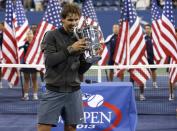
point(108, 106)
point(106, 18)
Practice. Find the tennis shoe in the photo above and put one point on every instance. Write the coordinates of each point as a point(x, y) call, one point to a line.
point(25, 98)
point(35, 97)
point(142, 98)
point(155, 85)
point(171, 97)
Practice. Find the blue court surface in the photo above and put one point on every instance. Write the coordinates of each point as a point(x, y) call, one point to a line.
point(156, 113)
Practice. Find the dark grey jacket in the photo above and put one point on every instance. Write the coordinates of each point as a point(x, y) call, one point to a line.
point(62, 69)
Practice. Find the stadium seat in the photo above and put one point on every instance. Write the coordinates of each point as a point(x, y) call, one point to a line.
point(97, 3)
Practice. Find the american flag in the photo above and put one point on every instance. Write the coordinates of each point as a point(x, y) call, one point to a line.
point(21, 27)
point(159, 53)
point(120, 51)
point(130, 46)
point(104, 55)
point(9, 46)
point(89, 17)
point(173, 72)
point(168, 39)
point(50, 21)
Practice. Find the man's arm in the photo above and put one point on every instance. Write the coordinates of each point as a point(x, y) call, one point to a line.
point(52, 56)
point(84, 66)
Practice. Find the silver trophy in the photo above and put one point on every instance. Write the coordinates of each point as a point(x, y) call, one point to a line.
point(91, 33)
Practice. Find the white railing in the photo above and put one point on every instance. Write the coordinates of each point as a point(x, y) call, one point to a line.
point(99, 68)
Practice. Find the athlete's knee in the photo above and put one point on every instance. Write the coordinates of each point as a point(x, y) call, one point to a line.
point(42, 127)
point(70, 127)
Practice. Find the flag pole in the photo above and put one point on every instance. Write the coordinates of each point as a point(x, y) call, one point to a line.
point(128, 48)
point(106, 72)
point(21, 81)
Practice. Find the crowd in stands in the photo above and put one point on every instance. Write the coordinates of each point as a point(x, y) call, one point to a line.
point(40, 5)
point(35, 5)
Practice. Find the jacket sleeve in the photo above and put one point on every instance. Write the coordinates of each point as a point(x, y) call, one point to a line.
point(52, 57)
point(84, 66)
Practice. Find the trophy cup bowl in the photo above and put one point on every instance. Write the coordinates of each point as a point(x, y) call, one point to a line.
point(92, 35)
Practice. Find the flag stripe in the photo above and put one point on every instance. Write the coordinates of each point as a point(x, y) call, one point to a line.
point(131, 48)
point(9, 46)
point(120, 48)
point(159, 53)
point(50, 21)
point(169, 40)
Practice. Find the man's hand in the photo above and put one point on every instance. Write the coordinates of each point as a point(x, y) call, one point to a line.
point(79, 46)
point(100, 49)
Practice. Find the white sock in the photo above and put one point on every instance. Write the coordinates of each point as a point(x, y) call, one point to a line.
point(26, 95)
point(0, 84)
point(35, 94)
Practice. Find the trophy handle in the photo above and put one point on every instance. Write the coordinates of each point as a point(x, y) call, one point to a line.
point(76, 32)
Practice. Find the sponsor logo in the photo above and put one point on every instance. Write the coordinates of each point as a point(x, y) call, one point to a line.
point(98, 113)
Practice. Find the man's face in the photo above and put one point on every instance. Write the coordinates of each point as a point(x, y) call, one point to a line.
point(34, 28)
point(115, 29)
point(148, 30)
point(29, 35)
point(1, 27)
point(70, 22)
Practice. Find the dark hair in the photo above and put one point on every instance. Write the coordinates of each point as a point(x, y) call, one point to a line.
point(70, 8)
point(116, 24)
point(176, 30)
point(2, 23)
point(147, 25)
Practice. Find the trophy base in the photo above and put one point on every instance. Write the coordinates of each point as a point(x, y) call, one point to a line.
point(93, 59)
